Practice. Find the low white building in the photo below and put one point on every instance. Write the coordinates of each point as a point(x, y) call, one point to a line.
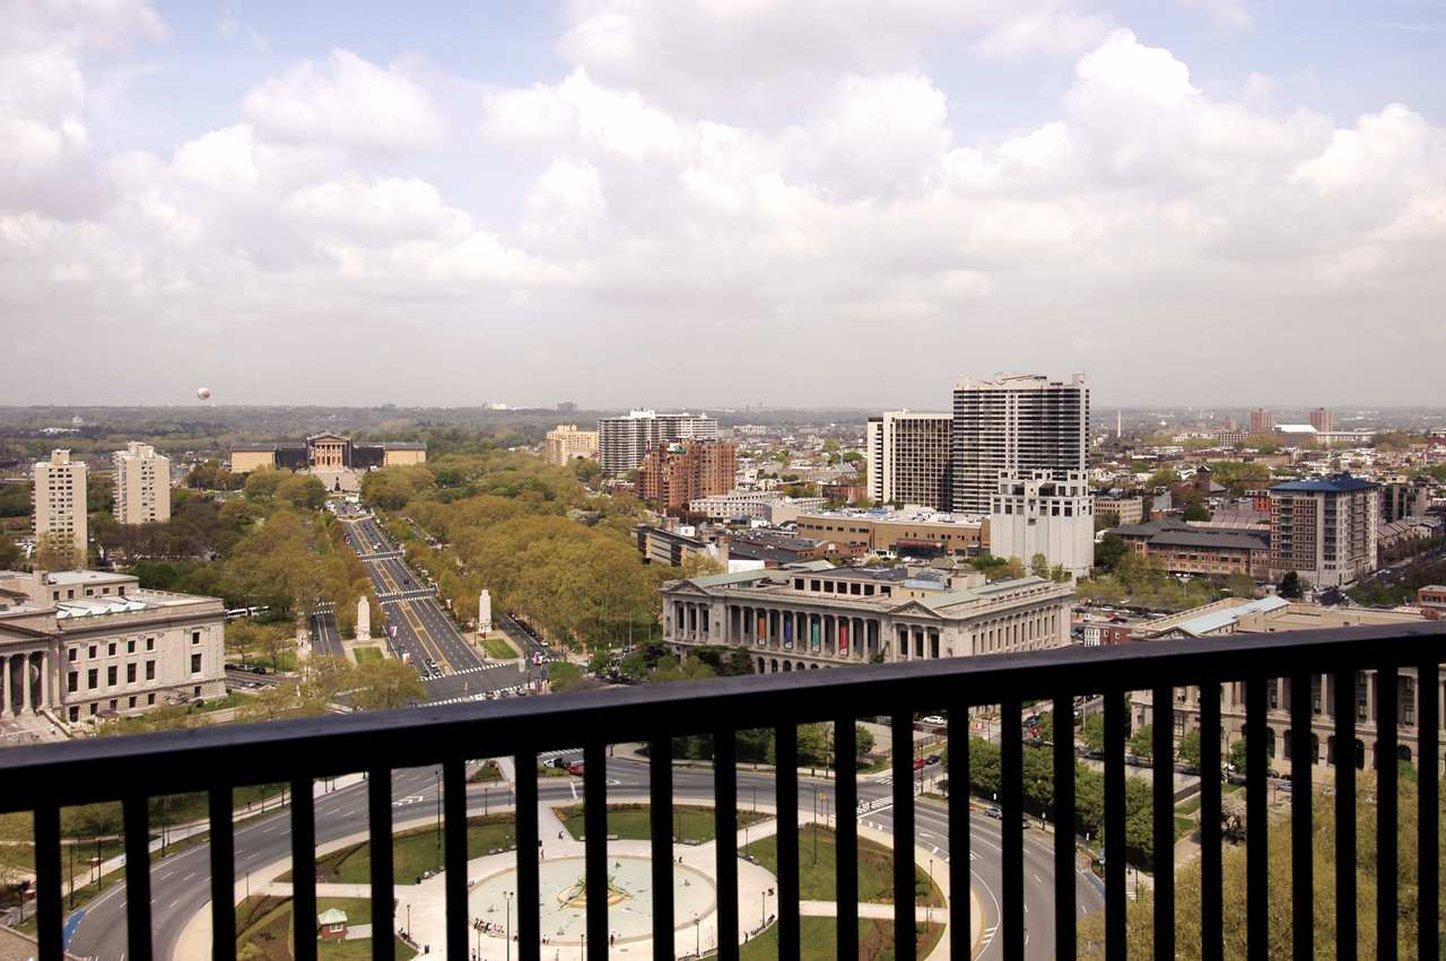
point(1040, 514)
point(767, 506)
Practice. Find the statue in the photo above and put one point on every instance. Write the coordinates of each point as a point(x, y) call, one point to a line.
point(484, 612)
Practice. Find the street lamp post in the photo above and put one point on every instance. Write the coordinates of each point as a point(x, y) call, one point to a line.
point(507, 921)
point(438, 773)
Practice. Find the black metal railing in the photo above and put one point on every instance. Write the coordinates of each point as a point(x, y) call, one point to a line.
point(45, 778)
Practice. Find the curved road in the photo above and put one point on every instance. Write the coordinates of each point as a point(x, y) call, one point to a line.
point(180, 885)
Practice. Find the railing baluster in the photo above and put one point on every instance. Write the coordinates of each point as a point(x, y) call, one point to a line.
point(1065, 911)
point(1114, 825)
point(1428, 816)
point(223, 875)
point(1302, 868)
point(959, 853)
point(902, 735)
point(1387, 815)
point(529, 917)
point(136, 819)
point(1011, 828)
point(1257, 864)
point(725, 813)
point(1163, 748)
point(454, 840)
point(785, 751)
point(49, 913)
point(595, 847)
point(660, 820)
point(303, 870)
point(846, 837)
point(379, 828)
point(1212, 892)
point(1345, 685)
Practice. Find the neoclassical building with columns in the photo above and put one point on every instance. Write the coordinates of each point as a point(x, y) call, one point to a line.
point(814, 614)
point(82, 644)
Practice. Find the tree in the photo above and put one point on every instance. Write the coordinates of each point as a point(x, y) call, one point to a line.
point(1196, 511)
point(1109, 550)
point(1039, 566)
point(261, 483)
point(1189, 747)
point(1092, 732)
point(1240, 585)
point(10, 555)
point(863, 739)
point(1164, 477)
point(1142, 741)
point(1238, 753)
point(302, 491)
point(564, 676)
point(1290, 585)
point(387, 684)
point(54, 553)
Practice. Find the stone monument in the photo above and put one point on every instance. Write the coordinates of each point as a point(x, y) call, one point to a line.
point(363, 620)
point(484, 612)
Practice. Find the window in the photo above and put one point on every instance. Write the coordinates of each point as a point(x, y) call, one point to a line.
point(150, 670)
point(195, 637)
point(91, 652)
point(132, 700)
point(110, 649)
point(150, 699)
point(130, 673)
point(71, 654)
point(195, 664)
point(150, 643)
point(130, 647)
point(110, 676)
point(92, 679)
point(72, 682)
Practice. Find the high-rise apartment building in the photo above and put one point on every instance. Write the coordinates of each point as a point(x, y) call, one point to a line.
point(1262, 421)
point(673, 474)
point(622, 441)
point(565, 443)
point(1324, 528)
point(142, 485)
point(58, 504)
point(1322, 420)
point(908, 458)
point(1015, 423)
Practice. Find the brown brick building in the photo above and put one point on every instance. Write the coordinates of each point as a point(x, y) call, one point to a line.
point(673, 474)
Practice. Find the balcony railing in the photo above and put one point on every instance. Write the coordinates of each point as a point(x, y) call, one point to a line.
point(45, 778)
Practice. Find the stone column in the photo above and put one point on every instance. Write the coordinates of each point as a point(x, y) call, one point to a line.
point(25, 683)
point(364, 619)
point(44, 680)
point(5, 686)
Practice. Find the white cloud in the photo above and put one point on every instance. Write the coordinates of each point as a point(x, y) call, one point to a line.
point(1230, 13)
point(349, 102)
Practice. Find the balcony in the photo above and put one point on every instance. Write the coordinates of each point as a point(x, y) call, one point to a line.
point(390, 747)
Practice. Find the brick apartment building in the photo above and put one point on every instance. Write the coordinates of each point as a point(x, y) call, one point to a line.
point(672, 474)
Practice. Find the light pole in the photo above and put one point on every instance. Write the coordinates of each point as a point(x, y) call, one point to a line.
point(697, 937)
point(438, 773)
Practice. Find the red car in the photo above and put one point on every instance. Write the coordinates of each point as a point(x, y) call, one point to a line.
point(575, 769)
point(919, 764)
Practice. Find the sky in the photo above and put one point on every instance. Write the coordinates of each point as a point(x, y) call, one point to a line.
point(703, 203)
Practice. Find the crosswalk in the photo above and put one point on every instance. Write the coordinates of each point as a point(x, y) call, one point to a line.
point(514, 691)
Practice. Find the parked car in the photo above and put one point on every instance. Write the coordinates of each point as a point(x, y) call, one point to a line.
point(934, 720)
point(918, 764)
point(993, 811)
point(932, 759)
point(575, 769)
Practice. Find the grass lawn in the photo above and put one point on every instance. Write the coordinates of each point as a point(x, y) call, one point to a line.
point(499, 648)
point(364, 654)
point(1183, 826)
point(875, 765)
point(818, 941)
point(816, 872)
point(489, 771)
point(415, 852)
point(264, 930)
point(691, 824)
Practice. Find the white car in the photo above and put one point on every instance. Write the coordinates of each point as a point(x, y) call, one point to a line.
point(934, 720)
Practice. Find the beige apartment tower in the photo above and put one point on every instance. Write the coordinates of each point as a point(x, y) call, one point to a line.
point(58, 504)
point(142, 485)
point(566, 443)
point(908, 458)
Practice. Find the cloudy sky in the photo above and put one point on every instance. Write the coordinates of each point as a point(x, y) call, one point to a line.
point(721, 202)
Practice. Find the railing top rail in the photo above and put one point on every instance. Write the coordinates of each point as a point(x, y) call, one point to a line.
point(88, 770)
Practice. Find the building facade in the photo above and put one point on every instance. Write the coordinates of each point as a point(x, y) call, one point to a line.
point(624, 441)
point(142, 485)
point(58, 504)
point(326, 452)
point(1262, 421)
point(1403, 496)
point(1018, 423)
point(1181, 548)
point(814, 615)
point(918, 533)
point(675, 474)
point(88, 644)
point(566, 443)
point(1322, 420)
point(1120, 510)
point(767, 506)
point(1041, 514)
point(1324, 529)
point(908, 458)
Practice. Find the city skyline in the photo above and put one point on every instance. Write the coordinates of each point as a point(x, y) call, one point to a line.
point(583, 199)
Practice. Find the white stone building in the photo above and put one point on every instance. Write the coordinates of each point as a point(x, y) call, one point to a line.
point(1039, 514)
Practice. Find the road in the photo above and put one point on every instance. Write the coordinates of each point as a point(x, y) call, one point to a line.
point(325, 634)
point(180, 884)
point(425, 633)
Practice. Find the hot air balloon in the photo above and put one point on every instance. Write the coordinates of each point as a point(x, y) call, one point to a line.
point(204, 393)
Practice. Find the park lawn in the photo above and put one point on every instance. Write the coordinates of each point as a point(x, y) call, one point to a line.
point(369, 653)
point(489, 771)
point(415, 852)
point(818, 941)
point(629, 822)
point(264, 926)
point(499, 648)
point(816, 872)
